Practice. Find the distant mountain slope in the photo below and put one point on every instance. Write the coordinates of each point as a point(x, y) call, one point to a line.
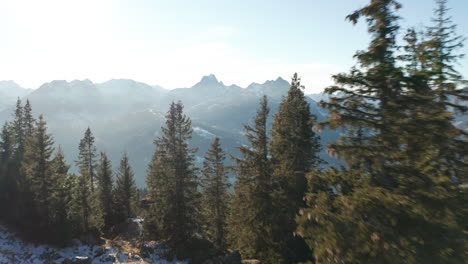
point(9, 92)
point(126, 115)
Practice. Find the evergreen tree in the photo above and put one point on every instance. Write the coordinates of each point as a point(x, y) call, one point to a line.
point(215, 196)
point(160, 192)
point(125, 192)
point(18, 130)
point(87, 158)
point(172, 182)
point(105, 191)
point(294, 149)
point(28, 119)
point(60, 198)
point(7, 179)
point(250, 218)
point(394, 202)
point(440, 47)
point(79, 212)
point(440, 59)
point(5, 154)
point(19, 190)
point(36, 168)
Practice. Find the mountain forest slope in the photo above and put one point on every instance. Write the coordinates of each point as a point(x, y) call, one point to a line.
point(126, 115)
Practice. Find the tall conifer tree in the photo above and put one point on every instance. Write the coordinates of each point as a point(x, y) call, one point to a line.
point(172, 182)
point(215, 196)
point(250, 218)
point(440, 45)
point(7, 178)
point(60, 198)
point(18, 129)
point(36, 168)
point(440, 58)
point(104, 189)
point(19, 191)
point(125, 193)
point(79, 213)
point(294, 148)
point(394, 202)
point(29, 120)
point(87, 158)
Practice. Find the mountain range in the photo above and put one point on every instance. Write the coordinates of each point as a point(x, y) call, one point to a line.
point(9, 92)
point(126, 115)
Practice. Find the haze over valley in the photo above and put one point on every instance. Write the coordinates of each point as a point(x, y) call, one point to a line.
point(328, 132)
point(126, 115)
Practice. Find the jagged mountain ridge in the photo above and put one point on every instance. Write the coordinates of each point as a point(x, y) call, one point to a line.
point(126, 115)
point(9, 92)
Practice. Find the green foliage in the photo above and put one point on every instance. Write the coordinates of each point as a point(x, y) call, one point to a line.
point(440, 58)
point(60, 198)
point(28, 120)
point(79, 207)
point(250, 219)
point(7, 179)
point(18, 129)
point(45, 188)
point(215, 196)
point(92, 195)
point(400, 196)
point(294, 149)
point(172, 183)
point(87, 158)
point(397, 200)
point(21, 205)
point(37, 172)
point(125, 192)
point(104, 189)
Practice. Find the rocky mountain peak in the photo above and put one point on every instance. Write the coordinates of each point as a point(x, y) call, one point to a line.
point(208, 81)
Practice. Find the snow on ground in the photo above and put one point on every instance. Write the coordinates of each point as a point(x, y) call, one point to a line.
point(203, 133)
point(15, 250)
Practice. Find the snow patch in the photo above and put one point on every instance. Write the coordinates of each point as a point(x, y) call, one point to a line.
point(203, 133)
point(15, 250)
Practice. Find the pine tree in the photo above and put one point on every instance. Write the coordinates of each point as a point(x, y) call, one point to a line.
point(394, 202)
point(87, 158)
point(79, 212)
point(60, 198)
point(125, 192)
point(250, 218)
point(28, 120)
point(215, 196)
point(440, 47)
point(435, 164)
point(18, 129)
point(22, 127)
point(88, 202)
point(105, 191)
point(36, 168)
point(172, 182)
point(351, 214)
point(160, 192)
point(19, 191)
point(441, 58)
point(7, 179)
point(6, 151)
point(294, 149)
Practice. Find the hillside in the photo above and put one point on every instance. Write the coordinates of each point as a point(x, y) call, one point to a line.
point(14, 249)
point(126, 115)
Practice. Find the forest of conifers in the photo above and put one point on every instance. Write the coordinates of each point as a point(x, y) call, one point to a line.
point(398, 196)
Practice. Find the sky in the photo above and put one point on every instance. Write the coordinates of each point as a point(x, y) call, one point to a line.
point(173, 43)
